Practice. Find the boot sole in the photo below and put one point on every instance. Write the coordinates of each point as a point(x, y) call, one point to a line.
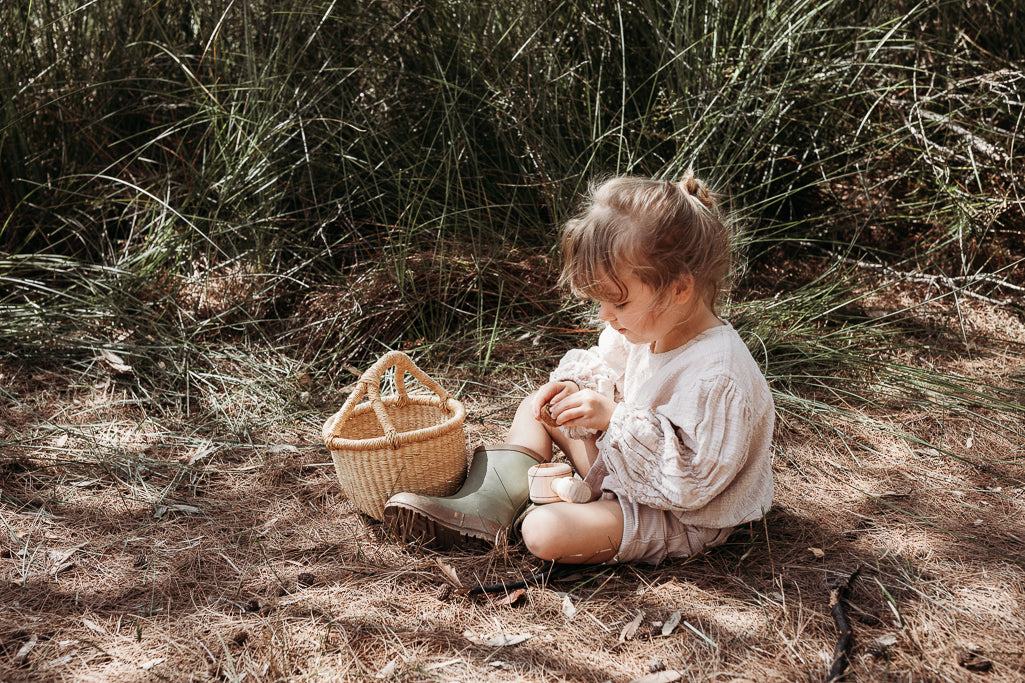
point(410, 525)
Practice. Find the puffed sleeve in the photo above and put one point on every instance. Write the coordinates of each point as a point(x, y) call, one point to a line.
point(682, 455)
point(600, 368)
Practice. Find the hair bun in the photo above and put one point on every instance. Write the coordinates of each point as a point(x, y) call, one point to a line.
point(696, 188)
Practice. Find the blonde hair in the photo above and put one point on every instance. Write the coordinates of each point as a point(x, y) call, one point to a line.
point(659, 231)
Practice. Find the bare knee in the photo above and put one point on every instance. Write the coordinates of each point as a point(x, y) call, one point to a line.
point(585, 533)
point(542, 535)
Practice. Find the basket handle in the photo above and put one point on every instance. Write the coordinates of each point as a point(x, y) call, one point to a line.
point(369, 385)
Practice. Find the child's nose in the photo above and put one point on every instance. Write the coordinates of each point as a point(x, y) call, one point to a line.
point(605, 312)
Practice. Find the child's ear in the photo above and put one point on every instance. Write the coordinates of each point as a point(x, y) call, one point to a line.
point(685, 289)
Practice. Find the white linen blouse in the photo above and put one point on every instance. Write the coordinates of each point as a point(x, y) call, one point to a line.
point(692, 430)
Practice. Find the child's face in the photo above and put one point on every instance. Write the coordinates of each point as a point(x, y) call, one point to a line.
point(641, 316)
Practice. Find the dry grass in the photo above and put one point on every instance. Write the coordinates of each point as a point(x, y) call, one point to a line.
point(135, 549)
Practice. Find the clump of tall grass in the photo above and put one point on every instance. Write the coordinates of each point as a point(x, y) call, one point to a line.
point(332, 180)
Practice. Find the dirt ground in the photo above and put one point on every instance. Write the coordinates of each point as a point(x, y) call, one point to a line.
point(135, 548)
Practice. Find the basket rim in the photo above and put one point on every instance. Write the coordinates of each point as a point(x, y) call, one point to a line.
point(334, 442)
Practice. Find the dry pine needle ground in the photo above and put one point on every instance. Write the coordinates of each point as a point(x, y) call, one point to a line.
point(134, 550)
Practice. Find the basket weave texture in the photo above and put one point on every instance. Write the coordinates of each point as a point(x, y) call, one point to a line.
point(402, 442)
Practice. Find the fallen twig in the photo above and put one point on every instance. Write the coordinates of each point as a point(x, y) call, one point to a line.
point(837, 594)
point(504, 586)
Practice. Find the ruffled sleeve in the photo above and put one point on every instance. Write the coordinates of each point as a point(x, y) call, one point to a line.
point(682, 455)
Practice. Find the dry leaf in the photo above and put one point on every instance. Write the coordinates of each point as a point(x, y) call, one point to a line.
point(93, 626)
point(895, 494)
point(449, 572)
point(60, 661)
point(818, 552)
point(505, 640)
point(568, 608)
point(974, 660)
point(24, 650)
point(512, 597)
point(671, 623)
point(203, 450)
point(630, 629)
point(58, 557)
point(442, 665)
point(62, 568)
point(660, 677)
point(881, 645)
point(150, 663)
point(116, 363)
point(389, 669)
point(60, 560)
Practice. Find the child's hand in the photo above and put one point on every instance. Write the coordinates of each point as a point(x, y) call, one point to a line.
point(550, 394)
point(583, 408)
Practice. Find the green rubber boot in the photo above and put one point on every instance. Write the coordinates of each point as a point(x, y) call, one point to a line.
point(492, 496)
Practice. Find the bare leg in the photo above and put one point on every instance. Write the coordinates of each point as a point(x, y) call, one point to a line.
point(539, 437)
point(588, 533)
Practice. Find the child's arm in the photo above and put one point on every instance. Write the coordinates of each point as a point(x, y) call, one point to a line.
point(682, 456)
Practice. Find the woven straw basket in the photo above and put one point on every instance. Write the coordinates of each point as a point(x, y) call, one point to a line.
point(403, 442)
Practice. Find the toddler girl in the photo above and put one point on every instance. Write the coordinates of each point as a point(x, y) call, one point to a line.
point(668, 419)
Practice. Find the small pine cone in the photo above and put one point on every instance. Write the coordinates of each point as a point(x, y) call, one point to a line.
point(546, 416)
